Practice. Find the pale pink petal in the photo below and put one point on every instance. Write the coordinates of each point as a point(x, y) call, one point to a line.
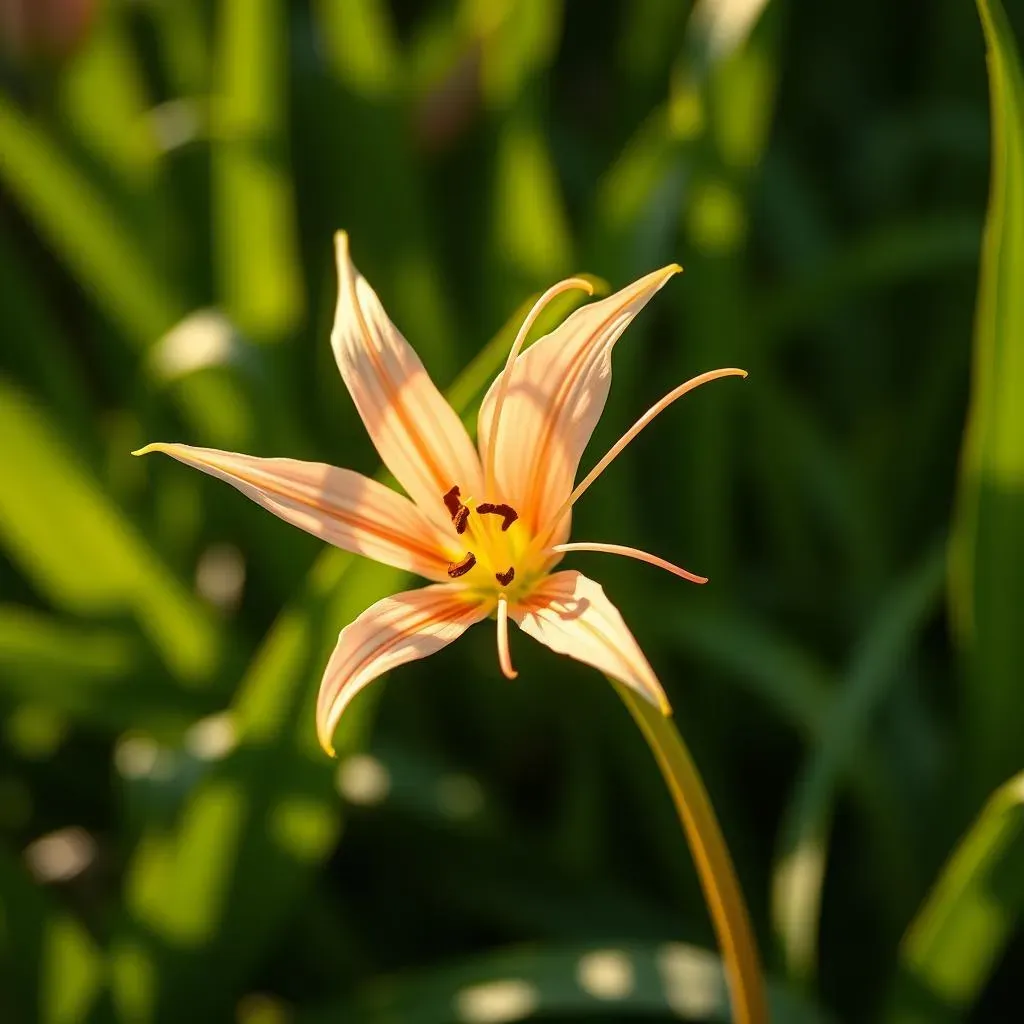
point(417, 433)
point(571, 614)
point(340, 507)
point(501, 385)
point(556, 393)
point(395, 630)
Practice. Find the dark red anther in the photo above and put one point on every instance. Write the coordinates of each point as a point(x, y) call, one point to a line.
point(457, 569)
point(461, 519)
point(507, 512)
point(452, 503)
point(506, 577)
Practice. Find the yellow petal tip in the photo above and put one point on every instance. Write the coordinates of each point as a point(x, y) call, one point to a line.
point(676, 268)
point(341, 246)
point(324, 739)
point(146, 449)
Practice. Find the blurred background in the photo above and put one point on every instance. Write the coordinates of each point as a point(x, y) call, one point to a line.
point(173, 844)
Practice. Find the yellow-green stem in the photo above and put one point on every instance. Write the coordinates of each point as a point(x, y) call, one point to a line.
point(714, 865)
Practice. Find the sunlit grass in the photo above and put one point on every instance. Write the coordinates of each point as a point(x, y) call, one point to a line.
point(171, 174)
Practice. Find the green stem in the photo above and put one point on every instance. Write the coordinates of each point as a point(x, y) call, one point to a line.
point(714, 865)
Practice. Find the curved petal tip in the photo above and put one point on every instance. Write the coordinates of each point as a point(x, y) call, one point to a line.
point(325, 740)
point(156, 446)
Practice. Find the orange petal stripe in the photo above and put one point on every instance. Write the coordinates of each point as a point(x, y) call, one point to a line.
point(395, 630)
point(339, 506)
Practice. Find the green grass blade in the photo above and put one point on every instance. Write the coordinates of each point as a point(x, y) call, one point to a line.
point(100, 247)
point(800, 865)
point(381, 196)
point(724, 89)
point(181, 31)
point(530, 243)
point(50, 968)
point(88, 674)
point(519, 43)
point(254, 228)
point(987, 570)
point(769, 666)
point(883, 257)
point(107, 74)
point(618, 981)
point(48, 367)
point(954, 942)
point(76, 546)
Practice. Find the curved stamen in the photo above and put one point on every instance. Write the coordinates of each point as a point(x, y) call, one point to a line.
point(457, 569)
point(458, 511)
point(613, 452)
point(506, 577)
point(640, 556)
point(506, 374)
point(452, 502)
point(504, 656)
point(508, 514)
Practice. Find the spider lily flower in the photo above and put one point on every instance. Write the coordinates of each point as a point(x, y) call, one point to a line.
point(485, 524)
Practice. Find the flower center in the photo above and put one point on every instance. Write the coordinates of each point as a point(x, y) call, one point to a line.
point(495, 547)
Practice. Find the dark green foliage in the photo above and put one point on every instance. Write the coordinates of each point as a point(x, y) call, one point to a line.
point(173, 844)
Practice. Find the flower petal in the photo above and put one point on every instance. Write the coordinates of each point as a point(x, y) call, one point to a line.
point(339, 506)
point(395, 630)
point(556, 394)
point(571, 614)
point(417, 433)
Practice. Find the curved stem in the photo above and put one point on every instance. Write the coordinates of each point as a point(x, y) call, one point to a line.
point(711, 856)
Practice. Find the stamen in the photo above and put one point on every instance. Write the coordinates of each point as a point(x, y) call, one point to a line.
point(458, 511)
point(457, 569)
point(451, 501)
point(504, 656)
point(506, 577)
point(506, 375)
point(628, 436)
point(640, 556)
point(507, 512)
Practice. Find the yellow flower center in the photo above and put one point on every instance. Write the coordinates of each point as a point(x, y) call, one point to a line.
point(498, 557)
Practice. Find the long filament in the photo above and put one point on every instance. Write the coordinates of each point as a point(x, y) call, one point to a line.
point(640, 556)
point(504, 656)
point(613, 452)
point(505, 380)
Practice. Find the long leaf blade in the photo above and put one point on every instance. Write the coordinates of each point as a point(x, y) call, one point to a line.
point(987, 577)
point(954, 942)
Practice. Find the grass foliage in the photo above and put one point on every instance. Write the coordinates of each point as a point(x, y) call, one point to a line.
point(844, 185)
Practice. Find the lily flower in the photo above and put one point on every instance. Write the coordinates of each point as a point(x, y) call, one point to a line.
point(486, 524)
